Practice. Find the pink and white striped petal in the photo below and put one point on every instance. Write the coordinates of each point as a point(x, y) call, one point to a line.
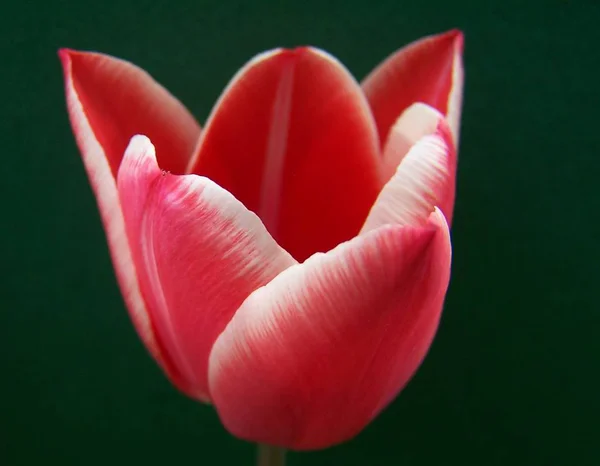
point(198, 254)
point(292, 137)
point(101, 170)
point(118, 100)
point(429, 70)
point(416, 121)
point(312, 357)
point(426, 175)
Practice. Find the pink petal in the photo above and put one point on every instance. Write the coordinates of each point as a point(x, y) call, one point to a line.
point(416, 121)
point(312, 357)
point(198, 252)
point(429, 70)
point(292, 138)
point(426, 175)
point(118, 100)
point(101, 176)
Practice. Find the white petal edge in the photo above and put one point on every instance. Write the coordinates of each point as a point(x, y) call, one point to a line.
point(416, 121)
point(455, 99)
point(105, 188)
point(414, 191)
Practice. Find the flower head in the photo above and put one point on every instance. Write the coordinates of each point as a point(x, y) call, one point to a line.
point(288, 262)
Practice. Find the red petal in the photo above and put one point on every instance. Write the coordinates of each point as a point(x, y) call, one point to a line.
point(429, 70)
point(312, 357)
point(100, 174)
point(426, 173)
point(118, 100)
point(199, 253)
point(292, 138)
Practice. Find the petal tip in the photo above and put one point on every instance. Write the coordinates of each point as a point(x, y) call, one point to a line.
point(459, 39)
point(64, 55)
point(438, 219)
point(455, 36)
point(140, 151)
point(306, 52)
point(140, 142)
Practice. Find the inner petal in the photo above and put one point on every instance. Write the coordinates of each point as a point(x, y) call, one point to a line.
point(292, 137)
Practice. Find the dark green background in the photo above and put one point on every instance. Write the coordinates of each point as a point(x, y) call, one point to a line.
point(512, 377)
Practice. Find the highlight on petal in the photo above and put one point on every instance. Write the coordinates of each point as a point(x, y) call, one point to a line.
point(429, 70)
point(198, 253)
point(103, 182)
point(425, 177)
point(416, 121)
point(292, 137)
point(313, 356)
point(118, 100)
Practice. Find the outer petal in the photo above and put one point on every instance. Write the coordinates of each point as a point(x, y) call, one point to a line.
point(312, 357)
point(118, 100)
point(293, 138)
point(101, 176)
point(198, 252)
point(429, 70)
point(425, 176)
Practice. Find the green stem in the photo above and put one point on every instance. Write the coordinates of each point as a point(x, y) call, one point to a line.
point(270, 456)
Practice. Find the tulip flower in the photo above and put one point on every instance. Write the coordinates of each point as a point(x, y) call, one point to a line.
point(289, 261)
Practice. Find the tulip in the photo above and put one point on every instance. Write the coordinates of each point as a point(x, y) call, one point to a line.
point(288, 263)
